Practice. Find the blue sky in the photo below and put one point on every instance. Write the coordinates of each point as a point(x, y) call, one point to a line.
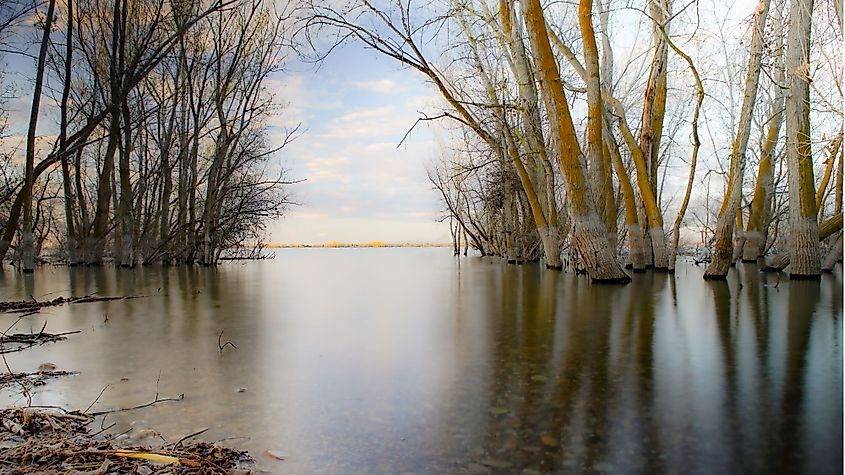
point(360, 184)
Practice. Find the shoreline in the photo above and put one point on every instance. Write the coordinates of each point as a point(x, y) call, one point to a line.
point(344, 245)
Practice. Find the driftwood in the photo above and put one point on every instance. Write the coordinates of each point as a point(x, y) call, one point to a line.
point(33, 305)
point(38, 378)
point(58, 441)
point(22, 341)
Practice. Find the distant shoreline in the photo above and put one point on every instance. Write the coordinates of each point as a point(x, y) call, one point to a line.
point(341, 245)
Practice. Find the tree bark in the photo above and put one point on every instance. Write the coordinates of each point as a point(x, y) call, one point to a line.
point(654, 101)
point(722, 255)
point(834, 256)
point(759, 216)
point(636, 244)
point(27, 244)
point(826, 229)
point(803, 227)
point(590, 235)
point(71, 243)
point(598, 159)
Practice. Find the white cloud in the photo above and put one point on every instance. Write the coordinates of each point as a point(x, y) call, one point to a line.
point(370, 124)
point(381, 86)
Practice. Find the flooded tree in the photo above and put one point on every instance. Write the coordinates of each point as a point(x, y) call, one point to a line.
point(150, 90)
point(560, 148)
point(803, 225)
point(723, 252)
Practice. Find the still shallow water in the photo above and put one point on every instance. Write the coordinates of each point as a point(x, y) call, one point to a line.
point(409, 360)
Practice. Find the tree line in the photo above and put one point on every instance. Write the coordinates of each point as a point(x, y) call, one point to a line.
point(558, 151)
point(162, 144)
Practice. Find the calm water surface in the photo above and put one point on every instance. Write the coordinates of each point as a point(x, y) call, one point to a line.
point(408, 360)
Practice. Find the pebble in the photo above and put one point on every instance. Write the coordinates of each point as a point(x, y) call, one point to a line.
point(241, 390)
point(549, 441)
point(47, 367)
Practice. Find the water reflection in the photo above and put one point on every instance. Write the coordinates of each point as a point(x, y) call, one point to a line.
point(384, 361)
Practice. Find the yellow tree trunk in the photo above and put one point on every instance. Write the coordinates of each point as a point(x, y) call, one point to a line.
point(822, 192)
point(723, 252)
point(635, 232)
point(803, 225)
point(760, 213)
point(654, 217)
point(548, 234)
point(655, 250)
point(597, 156)
point(511, 39)
point(654, 101)
point(589, 234)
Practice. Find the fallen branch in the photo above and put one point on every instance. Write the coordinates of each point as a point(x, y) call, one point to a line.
point(34, 379)
point(32, 306)
point(22, 341)
point(224, 345)
point(141, 406)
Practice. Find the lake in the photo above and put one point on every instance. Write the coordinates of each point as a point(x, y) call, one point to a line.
point(412, 360)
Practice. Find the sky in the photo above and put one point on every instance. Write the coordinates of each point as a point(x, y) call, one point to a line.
point(360, 184)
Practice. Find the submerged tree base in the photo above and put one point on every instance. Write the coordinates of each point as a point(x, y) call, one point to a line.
point(616, 280)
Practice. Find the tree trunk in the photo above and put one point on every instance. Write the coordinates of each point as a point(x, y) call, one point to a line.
point(759, 215)
point(834, 256)
point(696, 144)
point(590, 234)
point(99, 228)
point(530, 111)
point(654, 101)
point(85, 221)
point(803, 227)
point(826, 229)
point(597, 156)
point(27, 245)
point(829, 165)
point(71, 242)
point(548, 236)
point(739, 239)
point(722, 256)
point(124, 208)
point(636, 244)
